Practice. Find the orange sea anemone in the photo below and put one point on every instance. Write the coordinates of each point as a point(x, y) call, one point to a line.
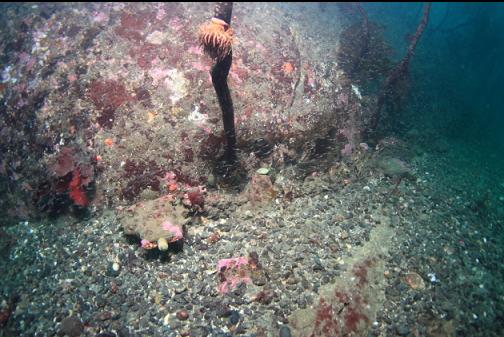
point(216, 38)
point(287, 68)
point(109, 142)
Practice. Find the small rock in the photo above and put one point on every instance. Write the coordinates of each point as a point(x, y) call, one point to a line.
point(4, 316)
point(180, 288)
point(258, 277)
point(211, 180)
point(291, 280)
point(234, 317)
point(113, 269)
point(414, 280)
point(285, 331)
point(182, 315)
point(263, 171)
point(317, 264)
point(162, 244)
point(402, 330)
point(106, 334)
point(71, 326)
point(222, 310)
point(265, 296)
point(105, 316)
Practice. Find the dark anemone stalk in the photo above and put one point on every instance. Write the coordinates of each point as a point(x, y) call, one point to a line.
point(216, 38)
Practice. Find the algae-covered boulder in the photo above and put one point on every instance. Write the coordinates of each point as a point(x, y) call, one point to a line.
point(153, 220)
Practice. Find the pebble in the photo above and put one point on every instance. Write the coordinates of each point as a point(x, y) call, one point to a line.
point(259, 277)
point(291, 280)
point(284, 331)
point(180, 288)
point(234, 317)
point(222, 310)
point(105, 315)
point(317, 264)
point(211, 180)
point(113, 269)
point(402, 330)
point(263, 171)
point(106, 334)
point(71, 326)
point(162, 244)
point(182, 315)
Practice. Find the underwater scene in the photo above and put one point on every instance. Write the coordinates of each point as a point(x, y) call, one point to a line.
point(251, 169)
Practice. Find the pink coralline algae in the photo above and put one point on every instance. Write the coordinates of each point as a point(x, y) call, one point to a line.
point(158, 74)
point(64, 162)
point(100, 17)
point(145, 55)
point(147, 245)
point(108, 94)
point(175, 230)
point(27, 60)
point(347, 150)
point(232, 272)
point(160, 14)
point(170, 177)
point(194, 49)
point(176, 24)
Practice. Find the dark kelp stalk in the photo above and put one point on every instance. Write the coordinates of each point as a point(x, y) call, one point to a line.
point(390, 90)
point(216, 37)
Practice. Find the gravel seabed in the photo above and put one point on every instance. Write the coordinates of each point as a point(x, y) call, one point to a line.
point(63, 269)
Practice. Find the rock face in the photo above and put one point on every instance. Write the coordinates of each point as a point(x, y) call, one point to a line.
point(148, 220)
point(146, 105)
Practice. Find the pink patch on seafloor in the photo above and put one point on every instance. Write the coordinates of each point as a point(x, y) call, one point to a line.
point(232, 263)
point(233, 272)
